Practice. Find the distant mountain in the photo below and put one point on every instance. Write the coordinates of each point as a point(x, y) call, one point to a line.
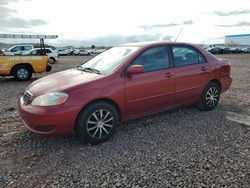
point(4, 45)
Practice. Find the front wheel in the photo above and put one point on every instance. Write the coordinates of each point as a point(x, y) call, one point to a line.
point(210, 97)
point(97, 123)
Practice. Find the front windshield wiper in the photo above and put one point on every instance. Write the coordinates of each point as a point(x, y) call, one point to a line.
point(88, 69)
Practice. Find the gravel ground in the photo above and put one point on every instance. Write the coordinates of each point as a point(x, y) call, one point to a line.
point(184, 147)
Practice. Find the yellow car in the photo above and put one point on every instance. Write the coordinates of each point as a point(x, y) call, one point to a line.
point(22, 67)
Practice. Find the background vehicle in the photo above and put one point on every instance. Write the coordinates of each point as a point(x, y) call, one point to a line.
point(18, 49)
point(53, 55)
point(84, 52)
point(22, 66)
point(76, 51)
point(63, 52)
point(246, 50)
point(215, 50)
point(124, 82)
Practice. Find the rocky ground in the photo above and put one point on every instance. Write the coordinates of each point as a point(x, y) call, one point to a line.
point(184, 147)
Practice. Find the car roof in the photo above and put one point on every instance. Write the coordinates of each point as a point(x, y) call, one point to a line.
point(40, 49)
point(153, 43)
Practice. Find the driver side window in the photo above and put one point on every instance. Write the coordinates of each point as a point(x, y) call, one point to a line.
point(153, 59)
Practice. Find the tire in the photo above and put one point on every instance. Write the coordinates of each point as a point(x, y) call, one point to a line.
point(210, 97)
point(97, 123)
point(22, 72)
point(52, 60)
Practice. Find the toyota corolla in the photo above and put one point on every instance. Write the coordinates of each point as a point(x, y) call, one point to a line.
point(124, 82)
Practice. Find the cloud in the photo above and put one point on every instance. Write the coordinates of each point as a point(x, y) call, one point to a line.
point(113, 40)
point(5, 2)
point(239, 24)
point(8, 21)
point(5, 11)
point(13, 22)
point(232, 13)
point(160, 26)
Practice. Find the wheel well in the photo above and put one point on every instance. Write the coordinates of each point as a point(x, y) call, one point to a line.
point(217, 82)
point(21, 64)
point(113, 103)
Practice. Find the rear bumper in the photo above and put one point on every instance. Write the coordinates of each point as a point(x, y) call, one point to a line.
point(49, 121)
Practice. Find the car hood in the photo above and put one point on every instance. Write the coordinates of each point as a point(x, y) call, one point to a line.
point(62, 81)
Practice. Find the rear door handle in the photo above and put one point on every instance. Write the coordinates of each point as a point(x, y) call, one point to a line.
point(168, 75)
point(203, 68)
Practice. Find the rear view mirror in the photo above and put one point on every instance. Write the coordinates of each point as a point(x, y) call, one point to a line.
point(135, 69)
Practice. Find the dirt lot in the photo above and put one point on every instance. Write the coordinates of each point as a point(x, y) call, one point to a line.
point(183, 147)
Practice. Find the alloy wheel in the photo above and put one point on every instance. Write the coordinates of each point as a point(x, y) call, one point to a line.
point(212, 96)
point(22, 73)
point(100, 123)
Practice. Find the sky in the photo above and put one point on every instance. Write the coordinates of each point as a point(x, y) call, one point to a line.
point(113, 22)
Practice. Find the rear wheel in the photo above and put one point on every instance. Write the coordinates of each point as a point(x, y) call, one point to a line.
point(210, 97)
point(97, 123)
point(52, 60)
point(22, 72)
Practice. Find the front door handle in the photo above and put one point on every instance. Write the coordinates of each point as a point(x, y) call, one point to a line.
point(168, 75)
point(203, 68)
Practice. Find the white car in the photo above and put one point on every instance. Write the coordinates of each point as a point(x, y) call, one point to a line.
point(18, 49)
point(63, 52)
point(84, 52)
point(76, 51)
point(53, 55)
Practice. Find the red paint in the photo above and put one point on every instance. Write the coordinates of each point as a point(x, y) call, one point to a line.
point(134, 94)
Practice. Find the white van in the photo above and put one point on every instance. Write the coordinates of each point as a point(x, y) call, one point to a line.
point(18, 49)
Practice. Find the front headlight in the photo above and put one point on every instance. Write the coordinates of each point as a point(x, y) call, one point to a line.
point(50, 99)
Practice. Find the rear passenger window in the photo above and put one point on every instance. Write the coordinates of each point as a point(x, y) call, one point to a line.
point(27, 48)
point(186, 56)
point(153, 59)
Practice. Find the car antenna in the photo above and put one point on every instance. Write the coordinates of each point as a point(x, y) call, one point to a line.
point(178, 34)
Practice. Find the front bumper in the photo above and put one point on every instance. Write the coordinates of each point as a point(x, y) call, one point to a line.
point(50, 121)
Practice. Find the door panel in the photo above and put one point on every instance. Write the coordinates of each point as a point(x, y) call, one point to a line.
point(192, 73)
point(151, 91)
point(190, 82)
point(155, 88)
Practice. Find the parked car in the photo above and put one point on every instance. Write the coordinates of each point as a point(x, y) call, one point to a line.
point(246, 50)
point(18, 49)
point(226, 50)
point(124, 82)
point(22, 67)
point(63, 52)
point(215, 50)
point(237, 51)
point(76, 51)
point(53, 55)
point(84, 52)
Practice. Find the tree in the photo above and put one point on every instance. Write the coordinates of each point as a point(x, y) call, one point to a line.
point(93, 46)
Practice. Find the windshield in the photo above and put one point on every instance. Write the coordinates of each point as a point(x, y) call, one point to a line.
point(108, 61)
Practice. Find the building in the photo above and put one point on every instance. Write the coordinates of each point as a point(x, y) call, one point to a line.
point(239, 40)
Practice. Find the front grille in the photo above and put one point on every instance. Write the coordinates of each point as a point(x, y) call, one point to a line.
point(27, 97)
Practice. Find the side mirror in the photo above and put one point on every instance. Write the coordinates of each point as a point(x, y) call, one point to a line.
point(135, 69)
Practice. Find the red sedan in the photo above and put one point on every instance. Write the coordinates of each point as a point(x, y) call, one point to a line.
point(123, 82)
